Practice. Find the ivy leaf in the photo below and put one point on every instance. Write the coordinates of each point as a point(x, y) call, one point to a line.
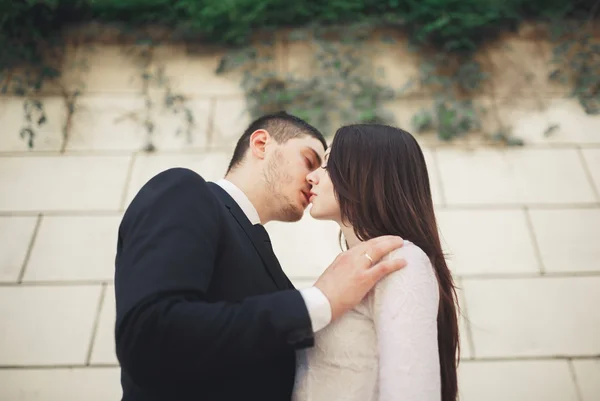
point(550, 130)
point(422, 121)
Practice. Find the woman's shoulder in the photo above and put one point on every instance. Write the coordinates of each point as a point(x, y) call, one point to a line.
point(416, 281)
point(418, 266)
point(410, 252)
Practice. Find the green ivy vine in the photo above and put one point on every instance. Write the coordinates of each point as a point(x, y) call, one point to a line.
point(342, 84)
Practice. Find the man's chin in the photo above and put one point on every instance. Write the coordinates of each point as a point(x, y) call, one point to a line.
point(292, 215)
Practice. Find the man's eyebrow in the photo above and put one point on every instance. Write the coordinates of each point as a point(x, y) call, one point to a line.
point(315, 154)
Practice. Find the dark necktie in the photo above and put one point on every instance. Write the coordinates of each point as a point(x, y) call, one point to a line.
point(275, 270)
point(263, 236)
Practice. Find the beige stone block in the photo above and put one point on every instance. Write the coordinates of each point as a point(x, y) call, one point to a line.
point(463, 322)
point(534, 317)
point(549, 121)
point(591, 158)
point(568, 239)
point(292, 242)
point(300, 62)
point(211, 166)
point(103, 349)
point(231, 119)
point(48, 136)
point(513, 176)
point(405, 111)
point(565, 61)
point(548, 380)
point(118, 122)
point(107, 122)
point(27, 76)
point(397, 67)
point(519, 67)
point(573, 124)
point(75, 68)
point(47, 325)
point(111, 69)
point(175, 131)
point(15, 237)
point(195, 73)
point(393, 64)
point(465, 347)
point(55, 183)
point(587, 374)
point(487, 242)
point(434, 179)
point(72, 248)
point(60, 384)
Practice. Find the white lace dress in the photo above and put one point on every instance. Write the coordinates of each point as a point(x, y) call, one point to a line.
point(384, 349)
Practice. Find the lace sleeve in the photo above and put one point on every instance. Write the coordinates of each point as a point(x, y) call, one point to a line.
point(404, 307)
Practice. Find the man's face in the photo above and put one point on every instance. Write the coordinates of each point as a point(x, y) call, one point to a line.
point(288, 164)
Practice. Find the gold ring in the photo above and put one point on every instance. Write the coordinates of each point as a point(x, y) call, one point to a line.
point(368, 257)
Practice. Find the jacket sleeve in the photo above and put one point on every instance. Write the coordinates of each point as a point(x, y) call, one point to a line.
point(166, 332)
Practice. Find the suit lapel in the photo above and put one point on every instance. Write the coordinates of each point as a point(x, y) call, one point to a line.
point(268, 257)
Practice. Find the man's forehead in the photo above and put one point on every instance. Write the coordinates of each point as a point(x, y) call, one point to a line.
point(314, 144)
point(310, 143)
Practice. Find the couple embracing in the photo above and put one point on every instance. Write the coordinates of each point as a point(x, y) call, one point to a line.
point(205, 312)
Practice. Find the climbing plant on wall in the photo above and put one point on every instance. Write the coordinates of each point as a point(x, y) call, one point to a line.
point(342, 85)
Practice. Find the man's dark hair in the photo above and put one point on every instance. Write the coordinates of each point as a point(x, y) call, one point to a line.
point(281, 126)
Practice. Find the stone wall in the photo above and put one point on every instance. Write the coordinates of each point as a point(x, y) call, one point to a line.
point(518, 95)
point(520, 225)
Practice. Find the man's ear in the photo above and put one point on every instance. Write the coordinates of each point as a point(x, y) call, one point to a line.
point(258, 143)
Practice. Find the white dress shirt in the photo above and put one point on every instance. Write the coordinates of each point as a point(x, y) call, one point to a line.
point(319, 308)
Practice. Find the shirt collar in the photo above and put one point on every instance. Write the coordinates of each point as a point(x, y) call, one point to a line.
point(241, 199)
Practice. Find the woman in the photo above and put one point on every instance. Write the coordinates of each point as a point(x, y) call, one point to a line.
point(401, 342)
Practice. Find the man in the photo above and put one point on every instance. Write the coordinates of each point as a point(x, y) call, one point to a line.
point(204, 310)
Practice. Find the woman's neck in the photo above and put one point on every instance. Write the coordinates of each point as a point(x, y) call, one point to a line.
point(349, 235)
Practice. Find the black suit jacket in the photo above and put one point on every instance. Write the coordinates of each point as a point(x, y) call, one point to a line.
point(204, 311)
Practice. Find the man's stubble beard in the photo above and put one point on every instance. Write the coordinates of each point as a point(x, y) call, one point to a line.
point(275, 178)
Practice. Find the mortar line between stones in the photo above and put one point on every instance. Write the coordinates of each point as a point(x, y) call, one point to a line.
point(536, 246)
point(88, 358)
point(471, 360)
point(56, 367)
point(575, 381)
point(30, 248)
point(61, 213)
point(226, 148)
point(128, 178)
point(588, 174)
point(57, 283)
point(478, 207)
point(534, 358)
point(465, 277)
point(210, 124)
point(467, 325)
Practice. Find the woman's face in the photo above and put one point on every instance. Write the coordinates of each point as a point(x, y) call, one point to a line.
point(324, 203)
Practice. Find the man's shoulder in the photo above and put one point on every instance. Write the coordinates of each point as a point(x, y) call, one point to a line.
point(177, 185)
point(177, 180)
point(179, 174)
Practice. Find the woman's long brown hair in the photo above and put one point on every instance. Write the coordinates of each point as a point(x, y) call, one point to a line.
point(381, 182)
